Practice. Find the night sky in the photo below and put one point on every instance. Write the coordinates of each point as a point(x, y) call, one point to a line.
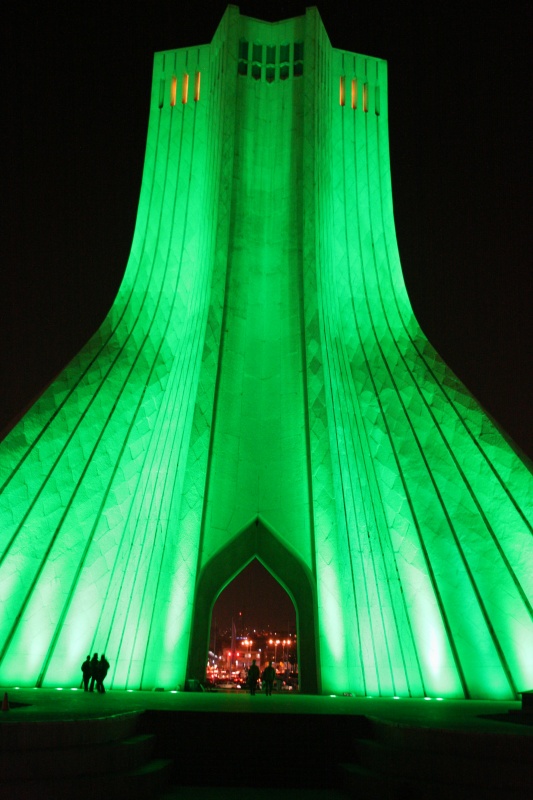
point(254, 600)
point(76, 93)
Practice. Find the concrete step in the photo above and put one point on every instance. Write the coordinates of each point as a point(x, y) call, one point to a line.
point(511, 747)
point(150, 779)
point(96, 759)
point(365, 784)
point(146, 780)
point(22, 735)
point(80, 758)
point(472, 768)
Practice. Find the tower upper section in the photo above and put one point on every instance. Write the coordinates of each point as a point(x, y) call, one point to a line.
point(271, 53)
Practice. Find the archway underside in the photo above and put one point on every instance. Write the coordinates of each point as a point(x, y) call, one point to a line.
point(257, 541)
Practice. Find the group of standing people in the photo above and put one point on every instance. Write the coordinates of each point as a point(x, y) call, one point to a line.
point(268, 677)
point(94, 671)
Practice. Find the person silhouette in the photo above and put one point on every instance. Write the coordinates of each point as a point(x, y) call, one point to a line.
point(269, 676)
point(86, 672)
point(94, 671)
point(253, 676)
point(101, 672)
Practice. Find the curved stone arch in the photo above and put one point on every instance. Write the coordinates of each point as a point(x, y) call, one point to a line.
point(258, 541)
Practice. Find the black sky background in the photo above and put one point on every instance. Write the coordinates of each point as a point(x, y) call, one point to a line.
point(76, 85)
point(255, 602)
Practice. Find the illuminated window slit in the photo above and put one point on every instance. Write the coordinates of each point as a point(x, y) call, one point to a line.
point(173, 84)
point(365, 97)
point(377, 101)
point(197, 79)
point(354, 93)
point(185, 88)
point(341, 91)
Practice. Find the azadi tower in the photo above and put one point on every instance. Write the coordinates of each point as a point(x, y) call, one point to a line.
point(261, 389)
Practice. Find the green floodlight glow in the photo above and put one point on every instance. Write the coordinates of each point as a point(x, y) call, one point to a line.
point(261, 389)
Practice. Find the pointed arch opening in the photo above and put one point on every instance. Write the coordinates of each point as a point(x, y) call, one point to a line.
point(253, 618)
point(257, 541)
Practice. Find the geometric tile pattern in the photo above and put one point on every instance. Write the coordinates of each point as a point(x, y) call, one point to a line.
point(262, 360)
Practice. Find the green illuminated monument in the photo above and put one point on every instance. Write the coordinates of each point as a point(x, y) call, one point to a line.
point(261, 389)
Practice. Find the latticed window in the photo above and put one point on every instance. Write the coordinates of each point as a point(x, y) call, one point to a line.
point(242, 67)
point(270, 63)
point(284, 56)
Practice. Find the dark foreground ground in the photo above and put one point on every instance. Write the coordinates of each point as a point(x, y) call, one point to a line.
point(231, 744)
